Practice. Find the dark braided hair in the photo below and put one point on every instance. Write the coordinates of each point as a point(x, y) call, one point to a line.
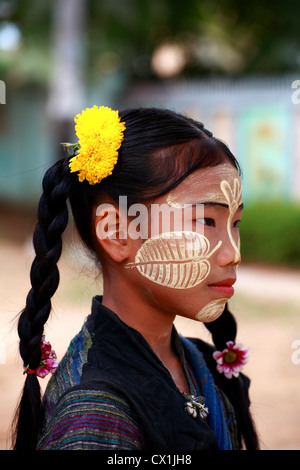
point(44, 275)
point(224, 329)
point(159, 150)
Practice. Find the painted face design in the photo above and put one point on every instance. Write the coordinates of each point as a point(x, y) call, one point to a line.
point(234, 199)
point(176, 259)
point(181, 259)
point(228, 192)
point(212, 310)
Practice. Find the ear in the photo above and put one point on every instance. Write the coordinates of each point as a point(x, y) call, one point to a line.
point(111, 231)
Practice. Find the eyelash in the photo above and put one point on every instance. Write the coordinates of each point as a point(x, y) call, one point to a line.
point(207, 221)
point(211, 223)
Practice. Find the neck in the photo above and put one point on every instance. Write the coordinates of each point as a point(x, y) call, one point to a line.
point(151, 324)
point(153, 321)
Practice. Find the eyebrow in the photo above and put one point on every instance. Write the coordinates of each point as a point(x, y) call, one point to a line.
point(241, 206)
point(210, 204)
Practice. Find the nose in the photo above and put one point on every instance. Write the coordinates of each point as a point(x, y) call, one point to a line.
point(229, 252)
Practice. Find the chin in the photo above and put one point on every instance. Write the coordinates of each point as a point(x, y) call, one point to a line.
point(211, 311)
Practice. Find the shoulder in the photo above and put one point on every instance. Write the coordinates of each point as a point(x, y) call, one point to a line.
point(87, 418)
point(69, 369)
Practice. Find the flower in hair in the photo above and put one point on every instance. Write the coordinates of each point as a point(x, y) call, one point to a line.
point(100, 134)
point(231, 360)
point(48, 362)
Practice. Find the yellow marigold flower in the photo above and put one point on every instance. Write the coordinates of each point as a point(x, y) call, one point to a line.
point(100, 135)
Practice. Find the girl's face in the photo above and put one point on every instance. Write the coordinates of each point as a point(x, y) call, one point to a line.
point(188, 263)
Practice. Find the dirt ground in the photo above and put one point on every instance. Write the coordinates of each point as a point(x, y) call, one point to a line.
point(266, 304)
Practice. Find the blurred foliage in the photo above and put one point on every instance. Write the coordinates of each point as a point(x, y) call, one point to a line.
point(31, 61)
point(270, 233)
point(224, 37)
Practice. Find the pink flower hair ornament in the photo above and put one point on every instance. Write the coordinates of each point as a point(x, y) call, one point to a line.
point(48, 362)
point(231, 360)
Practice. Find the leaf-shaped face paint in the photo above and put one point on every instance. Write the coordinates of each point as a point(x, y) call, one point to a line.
point(175, 259)
point(234, 198)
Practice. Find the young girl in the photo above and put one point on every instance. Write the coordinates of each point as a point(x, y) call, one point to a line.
point(157, 200)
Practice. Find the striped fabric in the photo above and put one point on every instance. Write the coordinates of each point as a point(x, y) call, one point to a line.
point(69, 370)
point(89, 420)
point(84, 419)
point(77, 417)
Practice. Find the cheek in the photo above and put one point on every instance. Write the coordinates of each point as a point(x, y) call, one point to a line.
point(234, 237)
point(233, 195)
point(175, 260)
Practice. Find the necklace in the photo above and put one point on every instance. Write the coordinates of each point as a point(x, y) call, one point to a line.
point(194, 404)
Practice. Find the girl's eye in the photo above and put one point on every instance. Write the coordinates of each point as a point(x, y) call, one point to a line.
point(207, 221)
point(236, 223)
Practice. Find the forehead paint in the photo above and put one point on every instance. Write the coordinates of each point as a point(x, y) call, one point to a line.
point(199, 186)
point(228, 191)
point(176, 259)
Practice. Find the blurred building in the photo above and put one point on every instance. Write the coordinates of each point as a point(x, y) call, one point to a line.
point(259, 118)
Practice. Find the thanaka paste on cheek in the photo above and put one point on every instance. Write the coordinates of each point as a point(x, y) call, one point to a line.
point(176, 259)
point(179, 260)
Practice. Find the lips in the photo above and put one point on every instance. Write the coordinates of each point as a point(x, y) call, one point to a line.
point(226, 282)
point(224, 286)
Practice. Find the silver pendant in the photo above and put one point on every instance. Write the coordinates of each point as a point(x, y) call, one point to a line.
point(195, 405)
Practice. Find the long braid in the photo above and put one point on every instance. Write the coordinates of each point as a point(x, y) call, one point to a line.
point(222, 330)
point(44, 275)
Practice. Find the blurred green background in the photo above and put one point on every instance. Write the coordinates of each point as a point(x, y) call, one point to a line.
point(234, 65)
